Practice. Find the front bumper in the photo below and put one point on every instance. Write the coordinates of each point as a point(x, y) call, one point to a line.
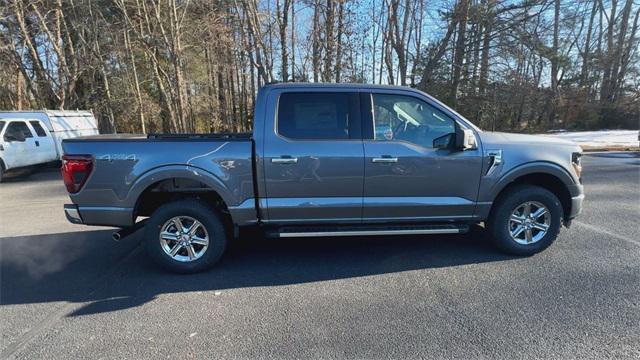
point(93, 215)
point(577, 198)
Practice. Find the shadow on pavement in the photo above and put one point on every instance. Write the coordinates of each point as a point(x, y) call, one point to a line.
point(88, 267)
point(38, 173)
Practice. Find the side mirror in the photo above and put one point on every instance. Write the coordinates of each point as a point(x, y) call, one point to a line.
point(469, 141)
point(444, 142)
point(465, 139)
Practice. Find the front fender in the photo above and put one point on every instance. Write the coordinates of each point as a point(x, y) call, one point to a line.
point(536, 167)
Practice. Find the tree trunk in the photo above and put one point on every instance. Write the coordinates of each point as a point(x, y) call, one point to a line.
point(338, 67)
point(434, 59)
point(462, 14)
point(283, 22)
point(584, 73)
point(605, 90)
point(136, 82)
point(329, 41)
point(315, 57)
point(555, 58)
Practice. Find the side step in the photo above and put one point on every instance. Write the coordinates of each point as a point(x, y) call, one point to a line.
point(363, 230)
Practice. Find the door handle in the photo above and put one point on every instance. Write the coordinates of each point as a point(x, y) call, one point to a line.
point(385, 159)
point(37, 143)
point(284, 160)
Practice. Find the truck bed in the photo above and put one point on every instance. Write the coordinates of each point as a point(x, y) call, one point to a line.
point(125, 166)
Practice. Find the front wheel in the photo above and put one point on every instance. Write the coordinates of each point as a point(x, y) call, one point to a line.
point(185, 236)
point(526, 220)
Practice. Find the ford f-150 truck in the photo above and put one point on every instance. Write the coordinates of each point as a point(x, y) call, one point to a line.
point(325, 160)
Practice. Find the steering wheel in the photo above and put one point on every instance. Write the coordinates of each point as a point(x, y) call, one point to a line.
point(396, 130)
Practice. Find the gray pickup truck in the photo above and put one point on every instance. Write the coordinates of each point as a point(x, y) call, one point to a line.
point(325, 160)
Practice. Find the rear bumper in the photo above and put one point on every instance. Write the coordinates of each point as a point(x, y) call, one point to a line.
point(91, 215)
point(72, 214)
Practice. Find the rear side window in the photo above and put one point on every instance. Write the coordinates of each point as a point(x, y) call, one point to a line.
point(1, 125)
point(18, 127)
point(38, 128)
point(314, 115)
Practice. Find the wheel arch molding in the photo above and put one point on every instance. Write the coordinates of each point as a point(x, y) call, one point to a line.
point(157, 175)
point(550, 176)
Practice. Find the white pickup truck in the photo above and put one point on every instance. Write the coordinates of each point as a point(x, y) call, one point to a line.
point(35, 137)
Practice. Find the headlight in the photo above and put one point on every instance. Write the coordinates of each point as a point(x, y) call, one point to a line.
point(577, 164)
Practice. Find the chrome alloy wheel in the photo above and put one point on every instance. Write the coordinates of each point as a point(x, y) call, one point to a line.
point(529, 222)
point(184, 238)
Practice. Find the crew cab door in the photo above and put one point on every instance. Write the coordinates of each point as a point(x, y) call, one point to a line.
point(45, 150)
point(313, 156)
point(406, 178)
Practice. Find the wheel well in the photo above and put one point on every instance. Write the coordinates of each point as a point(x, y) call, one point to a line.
point(546, 181)
point(2, 164)
point(169, 190)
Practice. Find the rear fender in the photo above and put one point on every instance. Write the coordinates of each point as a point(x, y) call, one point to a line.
point(180, 171)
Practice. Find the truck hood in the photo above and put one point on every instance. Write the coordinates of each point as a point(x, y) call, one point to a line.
point(511, 139)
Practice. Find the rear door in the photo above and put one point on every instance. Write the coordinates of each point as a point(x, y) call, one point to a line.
point(406, 178)
point(313, 156)
point(45, 146)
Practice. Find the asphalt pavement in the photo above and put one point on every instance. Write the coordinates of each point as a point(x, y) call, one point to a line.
point(69, 291)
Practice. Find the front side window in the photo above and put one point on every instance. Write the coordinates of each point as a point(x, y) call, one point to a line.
point(1, 126)
point(38, 128)
point(16, 129)
point(405, 118)
point(308, 116)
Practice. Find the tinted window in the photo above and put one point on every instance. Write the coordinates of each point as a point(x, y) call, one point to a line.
point(39, 130)
point(17, 127)
point(1, 125)
point(406, 118)
point(314, 115)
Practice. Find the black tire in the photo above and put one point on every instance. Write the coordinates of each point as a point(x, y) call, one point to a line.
point(1, 173)
point(198, 210)
point(499, 220)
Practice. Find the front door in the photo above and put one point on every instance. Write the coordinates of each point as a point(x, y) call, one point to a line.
point(20, 148)
point(313, 157)
point(406, 178)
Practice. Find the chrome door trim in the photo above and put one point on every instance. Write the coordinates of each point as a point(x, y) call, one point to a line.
point(384, 160)
point(285, 160)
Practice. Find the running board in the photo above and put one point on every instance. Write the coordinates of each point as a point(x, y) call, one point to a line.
point(288, 232)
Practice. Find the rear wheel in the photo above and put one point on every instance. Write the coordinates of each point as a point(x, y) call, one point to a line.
point(526, 220)
point(185, 236)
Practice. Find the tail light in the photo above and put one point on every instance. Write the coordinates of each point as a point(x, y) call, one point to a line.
point(75, 171)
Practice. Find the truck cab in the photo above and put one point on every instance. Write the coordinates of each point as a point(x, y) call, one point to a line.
point(24, 142)
point(346, 154)
point(326, 160)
